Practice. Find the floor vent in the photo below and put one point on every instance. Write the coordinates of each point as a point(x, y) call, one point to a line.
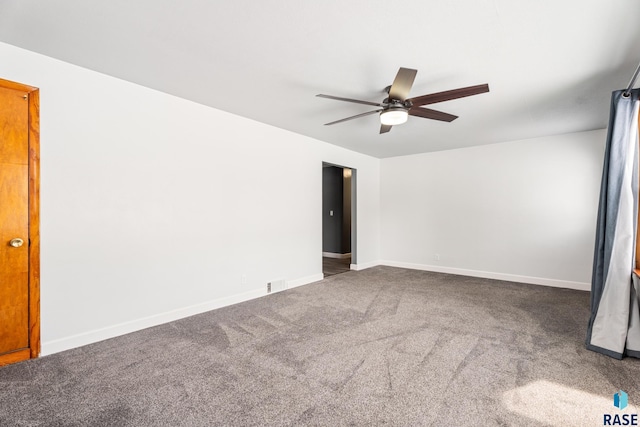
point(276, 286)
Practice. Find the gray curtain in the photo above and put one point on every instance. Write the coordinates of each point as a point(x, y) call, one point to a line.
point(614, 325)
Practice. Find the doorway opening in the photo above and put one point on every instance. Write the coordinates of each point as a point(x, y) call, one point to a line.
point(338, 219)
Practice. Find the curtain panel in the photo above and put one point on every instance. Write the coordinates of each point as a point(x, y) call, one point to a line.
point(614, 325)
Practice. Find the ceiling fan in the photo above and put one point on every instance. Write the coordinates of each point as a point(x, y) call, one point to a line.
point(397, 106)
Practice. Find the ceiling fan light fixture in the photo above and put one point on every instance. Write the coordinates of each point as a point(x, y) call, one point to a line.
point(396, 108)
point(394, 116)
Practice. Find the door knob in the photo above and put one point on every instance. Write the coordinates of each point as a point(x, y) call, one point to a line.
point(16, 243)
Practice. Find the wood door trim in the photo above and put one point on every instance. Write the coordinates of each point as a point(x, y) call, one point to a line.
point(14, 357)
point(33, 94)
point(34, 222)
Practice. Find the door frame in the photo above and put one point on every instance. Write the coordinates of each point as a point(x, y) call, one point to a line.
point(33, 98)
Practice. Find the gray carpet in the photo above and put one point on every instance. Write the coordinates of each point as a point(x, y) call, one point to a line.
point(383, 346)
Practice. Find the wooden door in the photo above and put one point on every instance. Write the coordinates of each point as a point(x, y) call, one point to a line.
point(19, 237)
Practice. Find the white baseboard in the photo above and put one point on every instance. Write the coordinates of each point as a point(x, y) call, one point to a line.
point(90, 337)
point(580, 286)
point(305, 280)
point(85, 338)
point(364, 265)
point(335, 255)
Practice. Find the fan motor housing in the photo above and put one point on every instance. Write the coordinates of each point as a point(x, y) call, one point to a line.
point(396, 103)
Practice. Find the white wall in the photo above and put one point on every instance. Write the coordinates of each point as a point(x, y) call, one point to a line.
point(523, 210)
point(154, 207)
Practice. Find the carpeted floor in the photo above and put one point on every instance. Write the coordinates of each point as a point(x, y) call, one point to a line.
point(383, 346)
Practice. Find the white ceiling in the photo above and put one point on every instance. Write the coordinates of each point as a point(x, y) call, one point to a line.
point(551, 64)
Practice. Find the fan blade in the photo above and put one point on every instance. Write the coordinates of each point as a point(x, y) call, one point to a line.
point(337, 98)
point(385, 128)
point(428, 113)
point(402, 84)
point(353, 117)
point(448, 95)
